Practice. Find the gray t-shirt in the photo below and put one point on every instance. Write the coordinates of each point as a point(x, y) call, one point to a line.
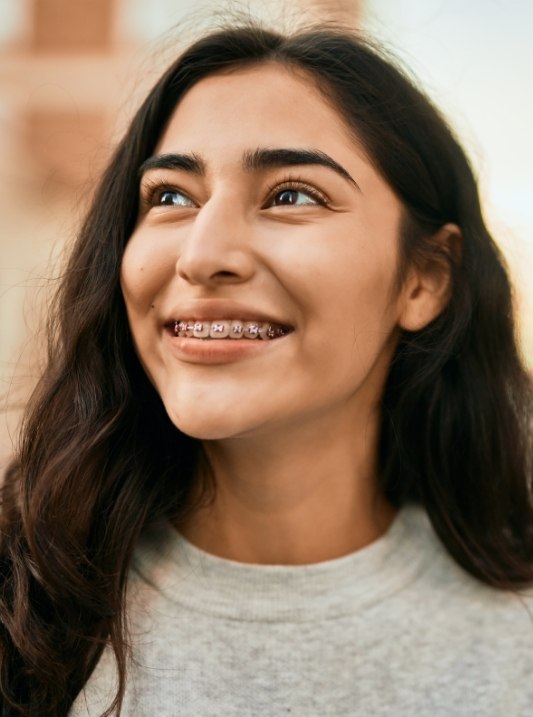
point(395, 629)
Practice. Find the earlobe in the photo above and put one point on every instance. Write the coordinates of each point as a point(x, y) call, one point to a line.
point(428, 286)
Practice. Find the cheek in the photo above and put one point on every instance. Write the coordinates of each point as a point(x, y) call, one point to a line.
point(350, 282)
point(146, 269)
point(366, 277)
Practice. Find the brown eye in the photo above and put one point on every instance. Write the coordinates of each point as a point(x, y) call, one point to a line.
point(293, 197)
point(173, 198)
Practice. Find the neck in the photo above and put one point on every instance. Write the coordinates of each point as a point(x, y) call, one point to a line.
point(300, 499)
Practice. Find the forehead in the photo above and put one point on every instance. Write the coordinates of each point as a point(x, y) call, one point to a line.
point(225, 117)
point(263, 104)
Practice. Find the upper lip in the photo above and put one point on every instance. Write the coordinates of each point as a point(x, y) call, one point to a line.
point(213, 310)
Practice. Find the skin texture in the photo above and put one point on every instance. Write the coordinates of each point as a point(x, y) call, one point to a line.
point(289, 426)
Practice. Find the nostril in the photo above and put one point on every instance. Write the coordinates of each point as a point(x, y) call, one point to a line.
point(224, 275)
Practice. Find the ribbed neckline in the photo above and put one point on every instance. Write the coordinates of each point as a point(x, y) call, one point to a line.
point(197, 580)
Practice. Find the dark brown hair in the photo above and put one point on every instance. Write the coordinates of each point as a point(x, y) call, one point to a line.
point(99, 459)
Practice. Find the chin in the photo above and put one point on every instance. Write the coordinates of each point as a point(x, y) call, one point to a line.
point(212, 411)
point(206, 426)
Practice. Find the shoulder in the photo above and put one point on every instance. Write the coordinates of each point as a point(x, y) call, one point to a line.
point(462, 607)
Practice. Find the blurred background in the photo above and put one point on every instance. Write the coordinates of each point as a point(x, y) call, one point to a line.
point(73, 71)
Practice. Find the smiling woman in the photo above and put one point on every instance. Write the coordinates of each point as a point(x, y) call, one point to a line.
point(244, 230)
point(283, 407)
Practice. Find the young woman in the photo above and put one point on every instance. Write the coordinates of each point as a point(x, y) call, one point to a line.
point(280, 459)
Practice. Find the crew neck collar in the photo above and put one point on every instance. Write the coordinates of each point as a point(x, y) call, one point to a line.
point(195, 579)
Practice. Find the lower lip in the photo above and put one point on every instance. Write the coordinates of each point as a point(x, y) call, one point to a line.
point(219, 351)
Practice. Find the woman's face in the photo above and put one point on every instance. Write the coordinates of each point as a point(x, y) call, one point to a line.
point(259, 213)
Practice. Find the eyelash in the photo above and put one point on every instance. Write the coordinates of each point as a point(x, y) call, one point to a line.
point(296, 184)
point(154, 188)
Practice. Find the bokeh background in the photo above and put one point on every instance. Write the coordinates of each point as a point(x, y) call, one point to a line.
point(73, 71)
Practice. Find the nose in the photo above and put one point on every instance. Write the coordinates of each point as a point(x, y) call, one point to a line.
point(217, 248)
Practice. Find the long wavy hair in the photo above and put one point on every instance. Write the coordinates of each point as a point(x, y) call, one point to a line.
point(99, 460)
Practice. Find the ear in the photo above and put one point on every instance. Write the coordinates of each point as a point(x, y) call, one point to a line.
point(427, 288)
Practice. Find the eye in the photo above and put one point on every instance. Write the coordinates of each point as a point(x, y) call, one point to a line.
point(157, 192)
point(295, 194)
point(171, 198)
point(292, 197)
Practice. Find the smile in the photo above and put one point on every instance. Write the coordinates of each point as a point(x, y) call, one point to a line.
point(229, 329)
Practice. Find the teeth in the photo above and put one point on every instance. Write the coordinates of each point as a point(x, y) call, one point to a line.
point(236, 330)
point(233, 329)
point(201, 330)
point(219, 329)
point(251, 330)
point(263, 331)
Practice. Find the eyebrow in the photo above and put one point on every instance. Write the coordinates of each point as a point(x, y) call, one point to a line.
point(188, 162)
point(272, 158)
point(258, 160)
